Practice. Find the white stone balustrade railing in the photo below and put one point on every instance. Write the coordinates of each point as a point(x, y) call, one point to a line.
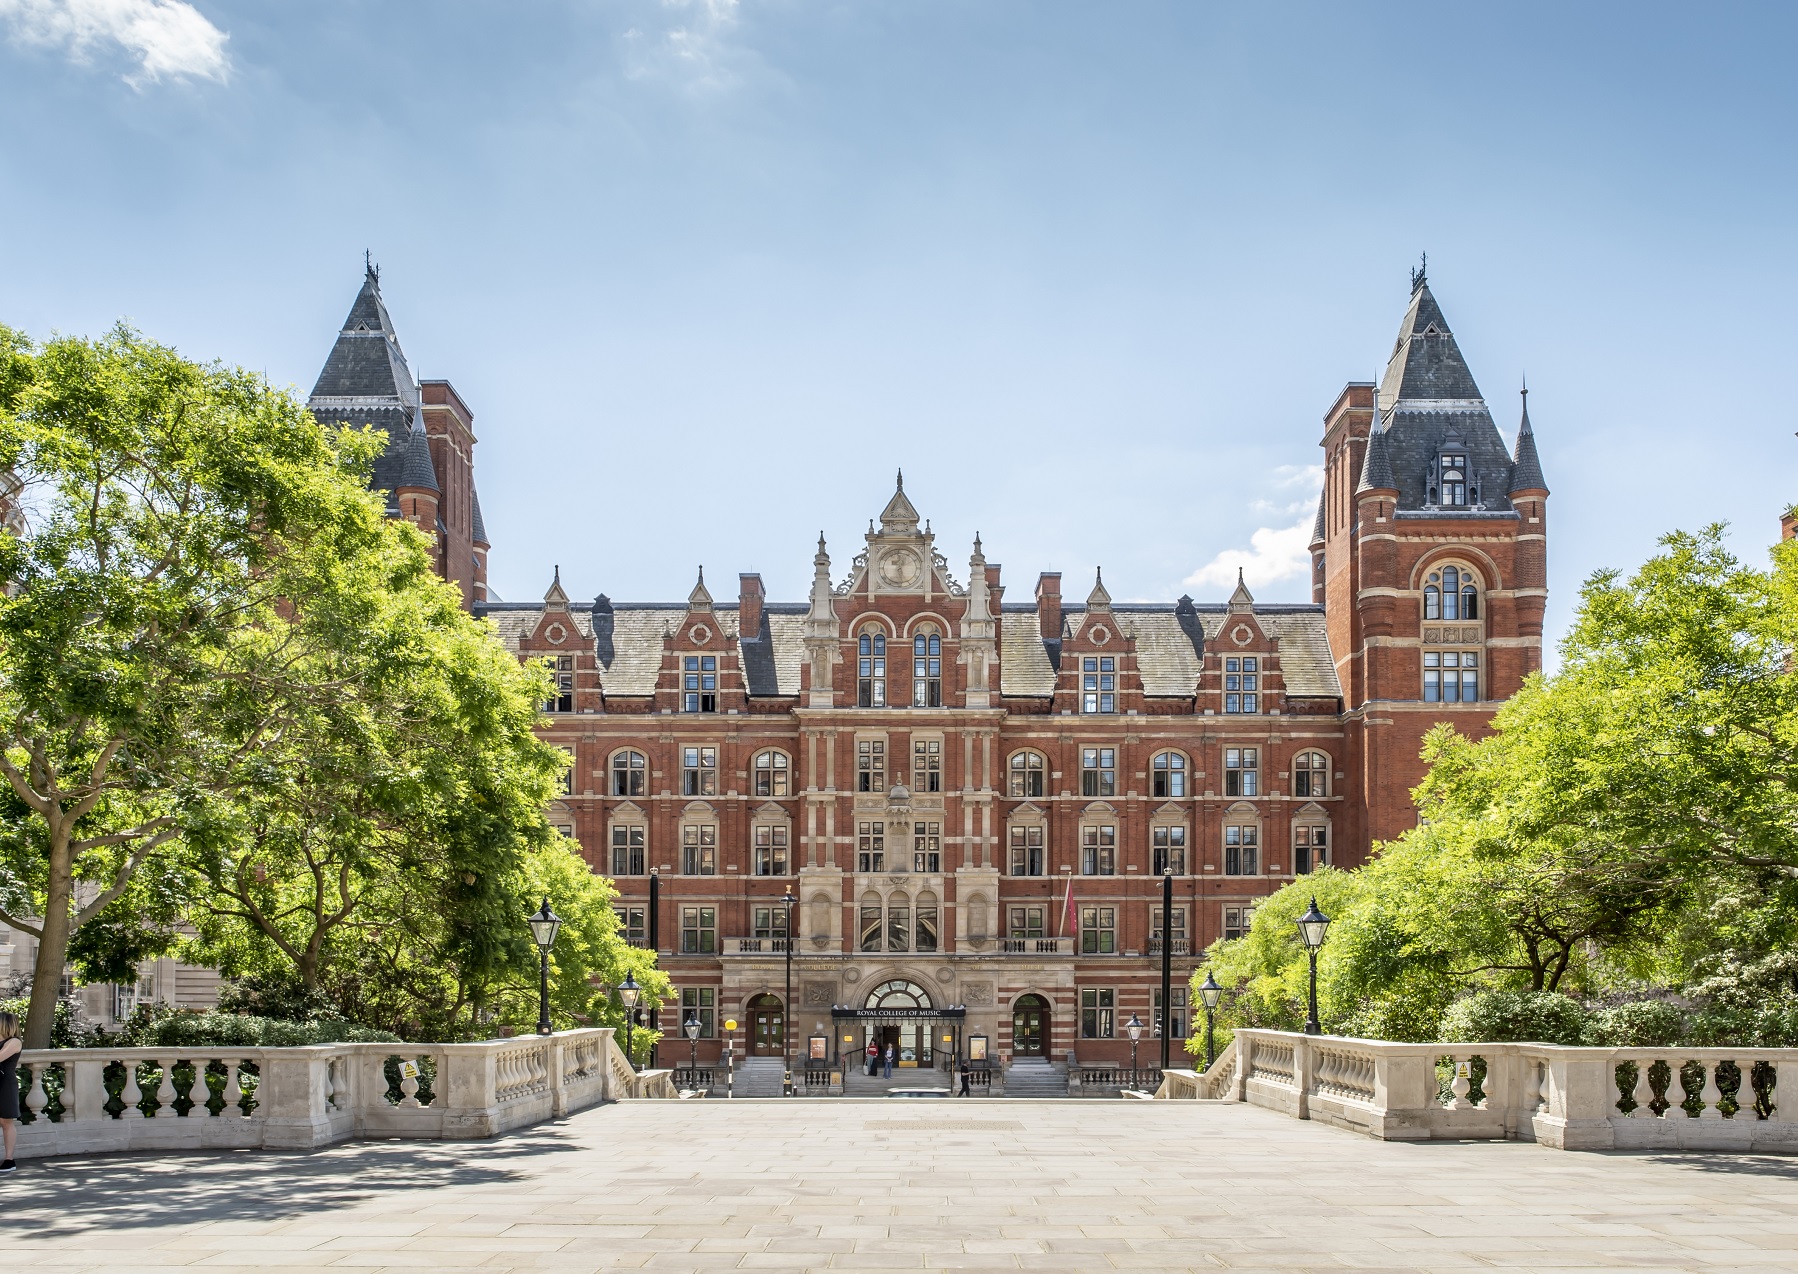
point(1568, 1098)
point(88, 1100)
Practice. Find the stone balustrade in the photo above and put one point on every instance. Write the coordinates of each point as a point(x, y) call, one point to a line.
point(88, 1100)
point(1567, 1098)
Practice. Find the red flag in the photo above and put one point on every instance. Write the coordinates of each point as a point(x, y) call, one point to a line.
point(1066, 926)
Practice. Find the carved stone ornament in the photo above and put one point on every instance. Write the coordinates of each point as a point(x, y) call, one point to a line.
point(555, 633)
point(1100, 634)
point(900, 568)
point(976, 993)
point(821, 993)
point(945, 975)
point(1241, 635)
point(700, 634)
point(851, 975)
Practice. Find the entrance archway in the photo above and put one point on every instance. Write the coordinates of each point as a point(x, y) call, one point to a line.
point(911, 1041)
point(1030, 1027)
point(767, 1026)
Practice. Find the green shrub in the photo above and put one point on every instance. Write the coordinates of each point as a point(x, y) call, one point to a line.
point(1540, 1017)
point(1645, 1024)
point(185, 1028)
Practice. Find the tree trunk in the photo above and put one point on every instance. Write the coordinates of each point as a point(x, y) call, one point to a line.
point(52, 949)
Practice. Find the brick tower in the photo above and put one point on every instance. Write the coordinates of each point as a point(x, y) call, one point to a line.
point(427, 467)
point(1430, 559)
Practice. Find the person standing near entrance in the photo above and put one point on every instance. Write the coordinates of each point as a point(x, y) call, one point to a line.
point(10, 1048)
point(964, 1078)
point(891, 1053)
point(873, 1057)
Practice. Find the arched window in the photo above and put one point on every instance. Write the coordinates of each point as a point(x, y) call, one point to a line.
point(1451, 593)
point(927, 668)
point(871, 669)
point(1311, 774)
point(1026, 776)
point(771, 773)
point(629, 773)
point(1167, 776)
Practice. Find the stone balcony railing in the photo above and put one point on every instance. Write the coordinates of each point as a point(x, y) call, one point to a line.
point(755, 946)
point(1037, 946)
point(1567, 1098)
point(87, 1100)
point(1182, 946)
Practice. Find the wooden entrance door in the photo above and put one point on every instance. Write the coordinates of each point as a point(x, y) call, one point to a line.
point(767, 1027)
point(1030, 1028)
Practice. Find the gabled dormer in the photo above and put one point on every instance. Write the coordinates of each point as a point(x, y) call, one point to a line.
point(1241, 676)
point(1098, 675)
point(701, 669)
point(563, 644)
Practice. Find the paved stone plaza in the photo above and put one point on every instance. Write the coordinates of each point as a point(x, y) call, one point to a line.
point(983, 1185)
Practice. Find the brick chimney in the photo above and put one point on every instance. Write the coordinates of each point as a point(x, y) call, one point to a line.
point(749, 604)
point(1048, 604)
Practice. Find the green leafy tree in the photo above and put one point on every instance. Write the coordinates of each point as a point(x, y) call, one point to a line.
point(172, 507)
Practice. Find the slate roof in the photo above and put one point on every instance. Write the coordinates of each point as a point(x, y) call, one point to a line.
point(1429, 398)
point(419, 471)
point(1527, 473)
point(1318, 529)
point(1169, 640)
point(480, 527)
point(366, 381)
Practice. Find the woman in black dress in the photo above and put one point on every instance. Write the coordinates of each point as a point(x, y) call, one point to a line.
point(10, 1048)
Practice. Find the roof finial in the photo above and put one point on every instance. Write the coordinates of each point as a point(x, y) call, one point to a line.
point(558, 578)
point(1419, 275)
point(369, 268)
point(901, 483)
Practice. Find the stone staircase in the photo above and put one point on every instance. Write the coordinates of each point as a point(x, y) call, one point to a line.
point(759, 1077)
point(858, 1083)
point(1035, 1077)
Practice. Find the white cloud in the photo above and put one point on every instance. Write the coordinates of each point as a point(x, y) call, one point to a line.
point(689, 43)
point(1274, 552)
point(169, 38)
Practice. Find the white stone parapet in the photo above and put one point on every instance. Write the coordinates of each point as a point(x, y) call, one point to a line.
point(91, 1100)
point(1564, 1097)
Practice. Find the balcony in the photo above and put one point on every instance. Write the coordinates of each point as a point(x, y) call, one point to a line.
point(1037, 946)
point(755, 946)
point(1181, 946)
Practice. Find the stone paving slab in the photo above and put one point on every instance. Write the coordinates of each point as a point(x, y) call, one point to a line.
point(884, 1185)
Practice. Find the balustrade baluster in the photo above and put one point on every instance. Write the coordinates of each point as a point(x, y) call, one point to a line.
point(37, 1099)
point(233, 1090)
point(131, 1094)
point(1644, 1091)
point(1460, 1086)
point(1544, 1099)
point(165, 1091)
point(1772, 1091)
point(408, 1089)
point(1712, 1096)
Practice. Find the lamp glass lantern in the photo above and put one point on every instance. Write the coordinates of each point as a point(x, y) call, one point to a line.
point(544, 926)
point(1210, 992)
point(1313, 925)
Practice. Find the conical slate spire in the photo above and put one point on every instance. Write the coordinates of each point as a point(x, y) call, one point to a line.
point(1526, 473)
point(480, 527)
point(1426, 363)
point(366, 365)
point(419, 473)
point(1317, 527)
point(1376, 466)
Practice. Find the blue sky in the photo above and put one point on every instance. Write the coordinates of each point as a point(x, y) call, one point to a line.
point(709, 272)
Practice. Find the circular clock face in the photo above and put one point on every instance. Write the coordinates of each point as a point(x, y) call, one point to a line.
point(899, 569)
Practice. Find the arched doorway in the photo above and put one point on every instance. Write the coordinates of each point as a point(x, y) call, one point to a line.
point(911, 1041)
point(1030, 1027)
point(767, 1026)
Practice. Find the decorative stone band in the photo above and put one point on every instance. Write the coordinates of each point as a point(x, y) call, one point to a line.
point(88, 1100)
point(1567, 1098)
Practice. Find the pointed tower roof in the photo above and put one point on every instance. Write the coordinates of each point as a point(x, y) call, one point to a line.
point(1426, 362)
point(1317, 527)
point(1527, 473)
point(899, 515)
point(480, 526)
point(419, 472)
point(700, 598)
point(1376, 466)
point(1098, 599)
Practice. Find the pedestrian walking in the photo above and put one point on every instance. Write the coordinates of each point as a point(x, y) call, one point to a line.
point(10, 1048)
point(873, 1057)
point(964, 1078)
point(890, 1052)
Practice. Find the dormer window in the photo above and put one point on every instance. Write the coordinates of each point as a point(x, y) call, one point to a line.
point(1451, 471)
point(1098, 683)
point(699, 683)
point(561, 673)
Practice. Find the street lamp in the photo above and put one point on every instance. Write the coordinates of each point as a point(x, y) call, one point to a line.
point(1209, 993)
point(628, 991)
point(544, 924)
point(692, 1030)
point(1134, 1028)
point(786, 1005)
point(1313, 925)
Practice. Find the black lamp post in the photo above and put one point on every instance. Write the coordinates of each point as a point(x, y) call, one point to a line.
point(544, 924)
point(628, 992)
point(1313, 925)
point(692, 1030)
point(786, 1005)
point(1134, 1028)
point(1208, 995)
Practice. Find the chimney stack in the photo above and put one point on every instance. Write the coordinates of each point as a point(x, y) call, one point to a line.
point(749, 605)
point(1048, 604)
